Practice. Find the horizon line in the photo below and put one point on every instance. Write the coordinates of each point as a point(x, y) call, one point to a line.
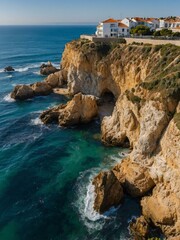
point(52, 24)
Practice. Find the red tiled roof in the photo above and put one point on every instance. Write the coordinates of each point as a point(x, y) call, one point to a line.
point(110, 20)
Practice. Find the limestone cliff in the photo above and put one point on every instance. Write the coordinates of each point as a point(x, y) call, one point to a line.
point(145, 80)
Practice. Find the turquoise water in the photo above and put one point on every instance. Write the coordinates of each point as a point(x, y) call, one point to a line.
point(45, 171)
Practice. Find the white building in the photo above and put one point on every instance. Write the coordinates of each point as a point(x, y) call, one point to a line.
point(128, 22)
point(107, 28)
point(123, 29)
point(152, 23)
point(170, 23)
point(112, 28)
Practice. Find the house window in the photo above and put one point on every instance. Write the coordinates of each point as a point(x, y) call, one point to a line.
point(127, 30)
point(122, 29)
point(165, 25)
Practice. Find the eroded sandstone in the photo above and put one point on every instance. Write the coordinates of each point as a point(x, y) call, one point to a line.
point(81, 109)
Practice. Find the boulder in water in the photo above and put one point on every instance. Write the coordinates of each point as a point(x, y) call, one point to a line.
point(46, 69)
point(108, 190)
point(22, 92)
point(81, 109)
point(9, 69)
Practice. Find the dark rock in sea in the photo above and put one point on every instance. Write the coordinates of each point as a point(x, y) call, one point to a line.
point(139, 228)
point(50, 116)
point(9, 69)
point(46, 69)
point(108, 190)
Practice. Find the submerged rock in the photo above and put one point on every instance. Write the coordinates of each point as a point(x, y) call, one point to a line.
point(81, 109)
point(46, 69)
point(108, 190)
point(9, 69)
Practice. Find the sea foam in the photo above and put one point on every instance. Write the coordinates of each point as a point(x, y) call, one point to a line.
point(36, 121)
point(6, 77)
point(8, 98)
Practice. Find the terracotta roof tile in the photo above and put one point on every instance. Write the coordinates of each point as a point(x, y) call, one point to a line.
point(110, 20)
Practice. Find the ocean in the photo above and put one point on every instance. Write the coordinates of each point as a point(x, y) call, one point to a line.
point(46, 171)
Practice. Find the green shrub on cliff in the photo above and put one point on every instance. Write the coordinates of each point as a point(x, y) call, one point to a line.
point(102, 48)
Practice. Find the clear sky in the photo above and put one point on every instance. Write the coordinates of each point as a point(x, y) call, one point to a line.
point(81, 11)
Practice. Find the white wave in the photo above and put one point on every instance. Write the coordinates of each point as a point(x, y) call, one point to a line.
point(6, 77)
point(36, 121)
point(37, 73)
point(85, 202)
point(89, 203)
point(22, 69)
point(8, 98)
point(1, 70)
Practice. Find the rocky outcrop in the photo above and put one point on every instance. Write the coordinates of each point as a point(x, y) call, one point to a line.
point(162, 207)
point(56, 79)
point(46, 69)
point(140, 228)
point(81, 109)
point(127, 175)
point(108, 191)
point(22, 92)
point(9, 69)
point(134, 178)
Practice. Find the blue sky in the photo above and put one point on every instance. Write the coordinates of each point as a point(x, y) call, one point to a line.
point(81, 11)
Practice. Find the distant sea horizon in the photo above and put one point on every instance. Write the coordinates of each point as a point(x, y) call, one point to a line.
point(54, 24)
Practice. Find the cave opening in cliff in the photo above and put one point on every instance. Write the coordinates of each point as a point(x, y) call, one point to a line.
point(106, 103)
point(107, 97)
point(126, 143)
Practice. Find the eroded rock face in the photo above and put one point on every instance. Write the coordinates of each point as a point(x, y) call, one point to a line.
point(47, 69)
point(81, 109)
point(140, 228)
point(56, 79)
point(108, 191)
point(134, 178)
point(124, 123)
point(22, 92)
point(163, 206)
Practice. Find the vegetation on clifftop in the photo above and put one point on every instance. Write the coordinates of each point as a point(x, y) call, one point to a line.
point(102, 48)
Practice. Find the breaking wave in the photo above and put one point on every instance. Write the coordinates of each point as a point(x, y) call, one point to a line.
point(36, 121)
point(8, 98)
